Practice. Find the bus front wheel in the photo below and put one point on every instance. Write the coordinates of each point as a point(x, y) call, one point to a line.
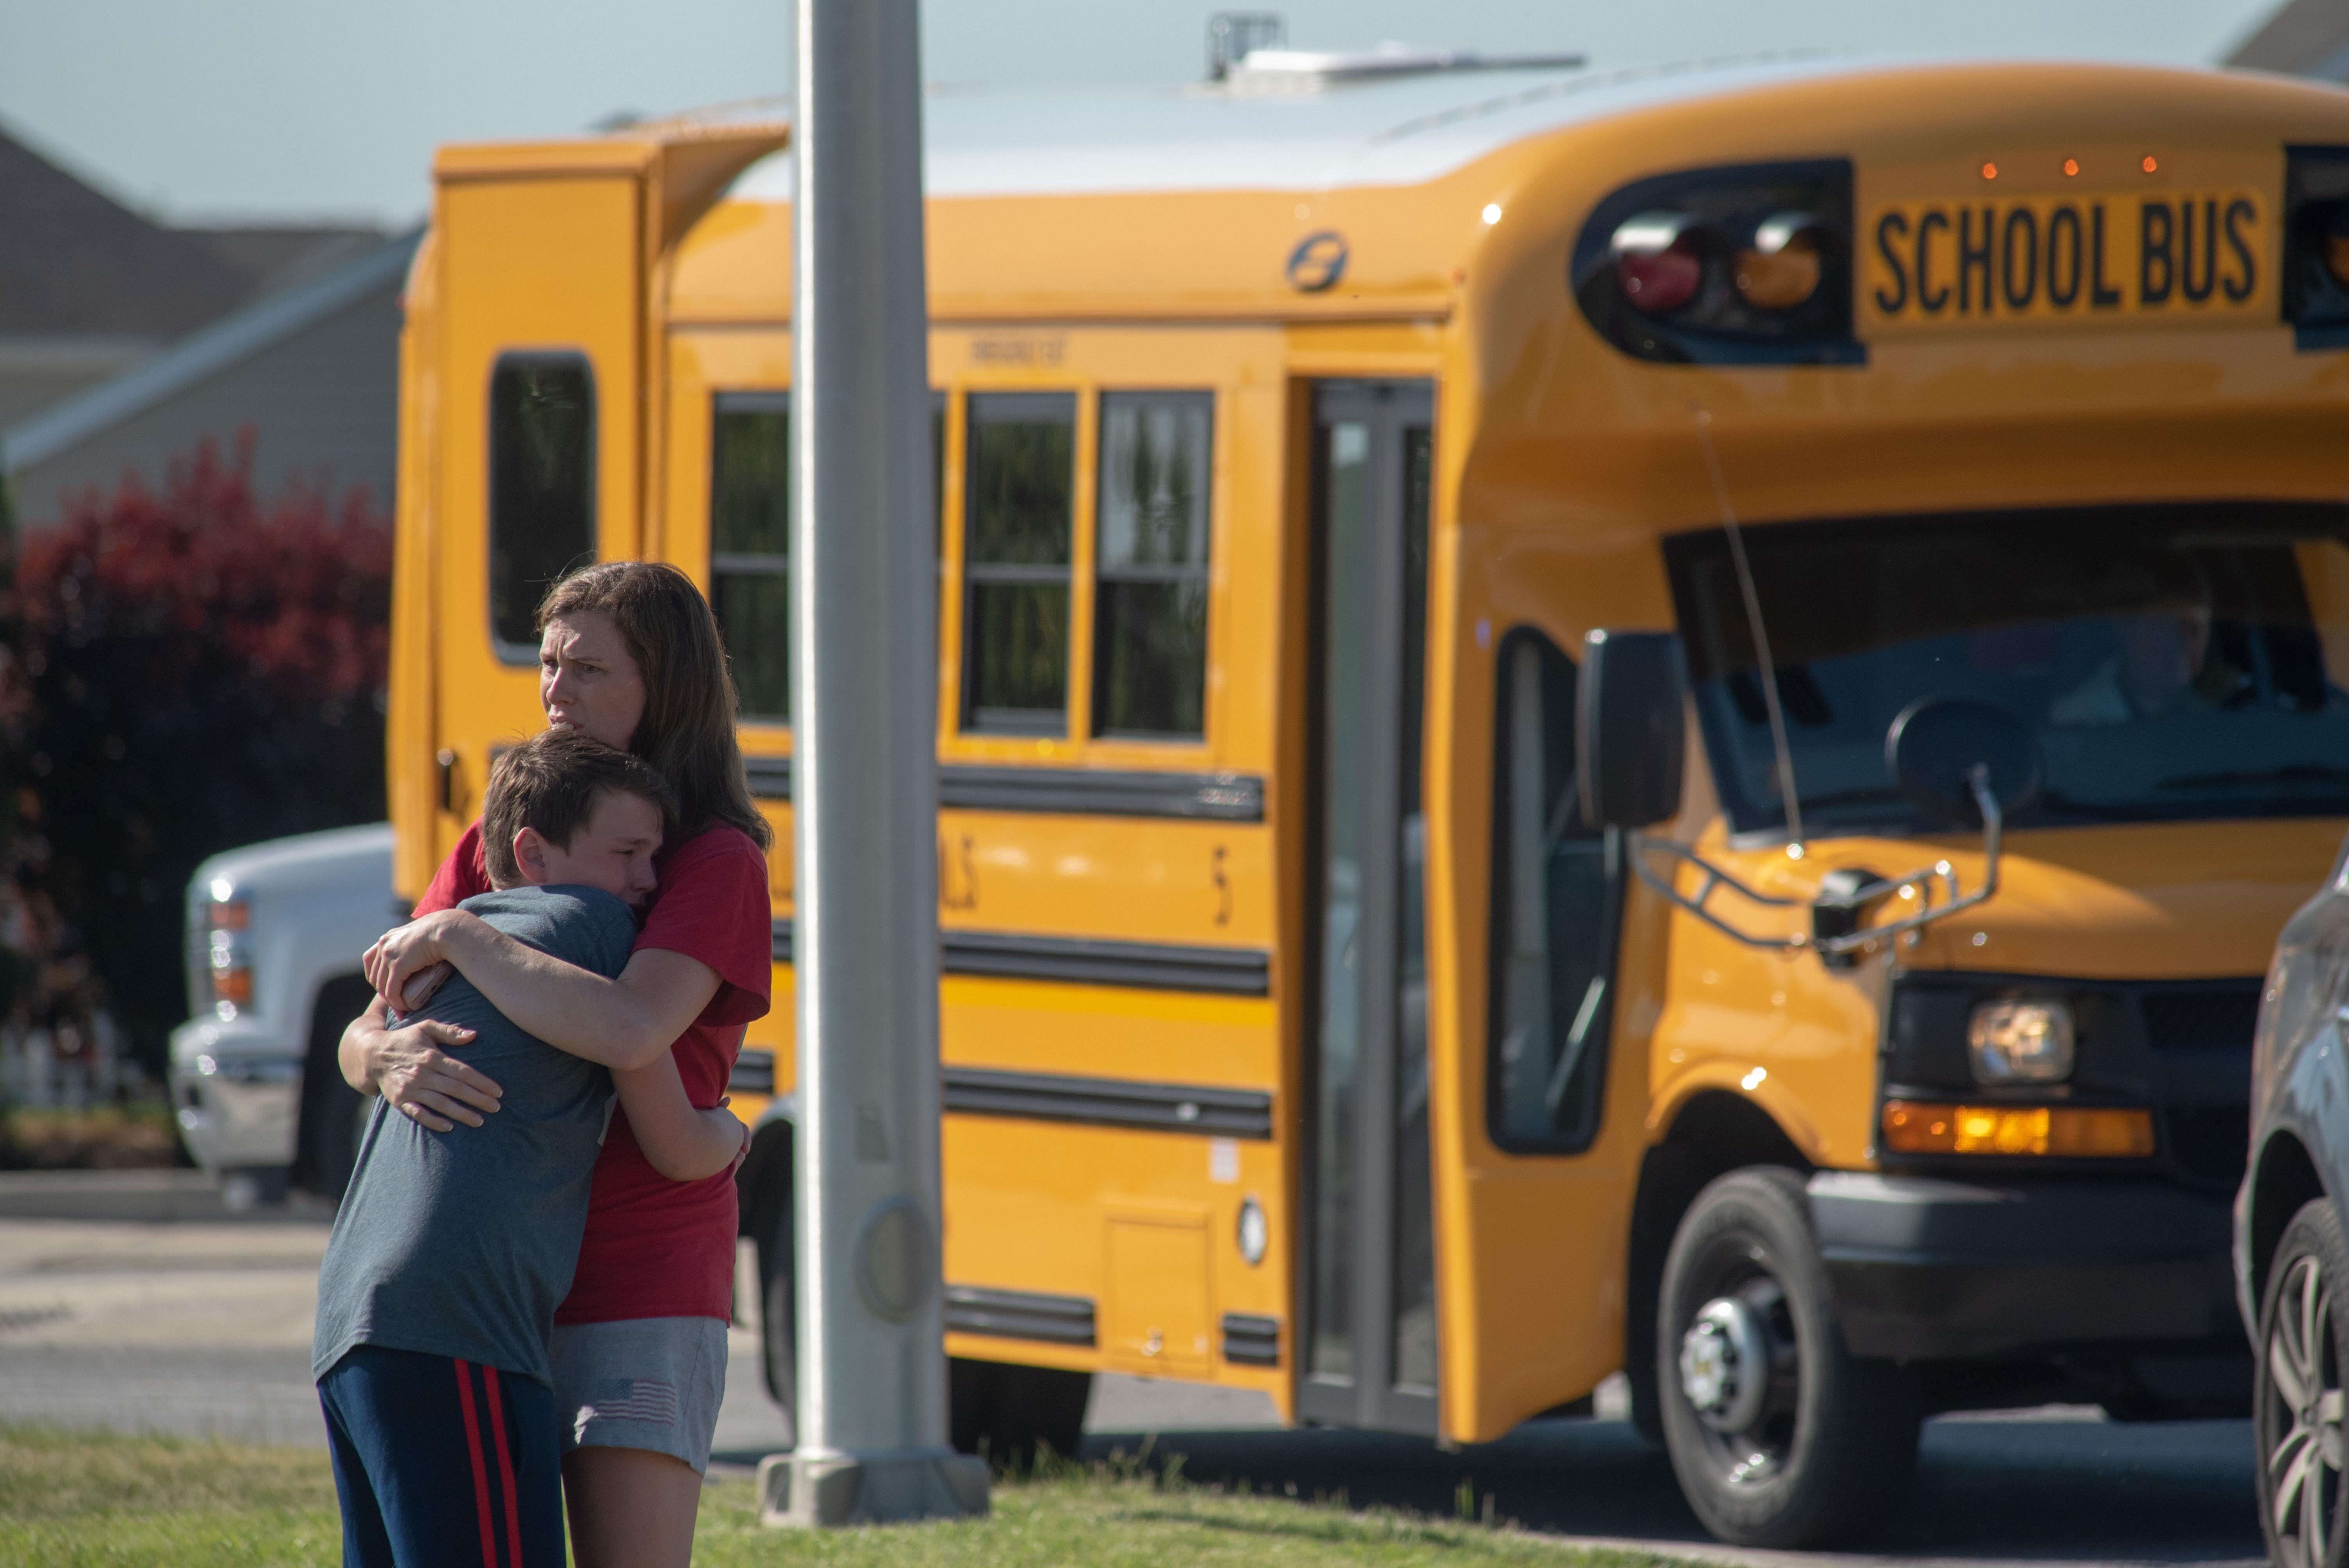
point(1779, 1437)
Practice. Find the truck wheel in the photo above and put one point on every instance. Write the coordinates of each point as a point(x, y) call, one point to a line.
point(2297, 1392)
point(1014, 1415)
point(334, 1114)
point(1779, 1435)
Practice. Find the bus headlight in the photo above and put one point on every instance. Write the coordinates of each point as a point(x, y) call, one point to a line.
point(2021, 1042)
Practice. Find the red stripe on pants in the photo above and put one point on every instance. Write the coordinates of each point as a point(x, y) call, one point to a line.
point(505, 1465)
point(480, 1476)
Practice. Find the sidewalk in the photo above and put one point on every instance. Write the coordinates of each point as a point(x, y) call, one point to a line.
point(134, 1300)
point(153, 1197)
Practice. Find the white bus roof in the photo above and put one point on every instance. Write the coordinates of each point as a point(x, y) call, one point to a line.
point(1099, 141)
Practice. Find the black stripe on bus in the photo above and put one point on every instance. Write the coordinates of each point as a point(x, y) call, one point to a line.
point(1066, 791)
point(1095, 792)
point(770, 777)
point(1020, 1314)
point(1083, 960)
point(1250, 1340)
point(1110, 1102)
point(754, 1071)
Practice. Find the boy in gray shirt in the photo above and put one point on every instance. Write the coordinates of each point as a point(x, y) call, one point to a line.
point(451, 1250)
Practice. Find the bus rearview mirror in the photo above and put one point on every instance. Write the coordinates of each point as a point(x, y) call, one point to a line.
point(1936, 744)
point(1628, 734)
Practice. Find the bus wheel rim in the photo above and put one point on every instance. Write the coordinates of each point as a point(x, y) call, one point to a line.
point(1750, 1432)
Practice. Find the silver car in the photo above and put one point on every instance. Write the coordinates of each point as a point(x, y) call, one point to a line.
point(2292, 1263)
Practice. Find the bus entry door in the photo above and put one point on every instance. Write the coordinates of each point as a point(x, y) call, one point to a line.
point(542, 414)
point(1369, 1356)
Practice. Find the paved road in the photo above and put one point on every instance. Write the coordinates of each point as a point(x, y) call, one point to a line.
point(200, 1324)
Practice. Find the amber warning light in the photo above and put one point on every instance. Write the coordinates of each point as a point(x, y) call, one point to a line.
point(1913, 1127)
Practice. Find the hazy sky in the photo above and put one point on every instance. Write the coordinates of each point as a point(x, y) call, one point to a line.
point(311, 107)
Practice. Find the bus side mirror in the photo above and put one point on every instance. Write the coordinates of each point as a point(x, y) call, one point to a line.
point(1628, 735)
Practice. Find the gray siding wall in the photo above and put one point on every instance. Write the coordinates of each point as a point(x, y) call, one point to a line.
point(322, 403)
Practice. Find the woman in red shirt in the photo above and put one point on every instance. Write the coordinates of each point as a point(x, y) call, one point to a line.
point(629, 654)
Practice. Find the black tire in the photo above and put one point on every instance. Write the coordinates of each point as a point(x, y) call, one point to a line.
point(779, 1344)
point(1014, 1415)
point(1818, 1452)
point(334, 1114)
point(2297, 1392)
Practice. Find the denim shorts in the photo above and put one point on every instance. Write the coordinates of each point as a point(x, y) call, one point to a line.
point(641, 1383)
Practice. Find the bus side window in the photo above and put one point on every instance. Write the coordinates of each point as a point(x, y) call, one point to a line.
point(1018, 510)
point(1556, 898)
point(749, 545)
point(541, 487)
point(1150, 608)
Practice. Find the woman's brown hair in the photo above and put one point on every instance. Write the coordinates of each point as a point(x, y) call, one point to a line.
point(687, 729)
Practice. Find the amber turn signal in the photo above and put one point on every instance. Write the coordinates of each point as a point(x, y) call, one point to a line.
point(1913, 1127)
point(1781, 268)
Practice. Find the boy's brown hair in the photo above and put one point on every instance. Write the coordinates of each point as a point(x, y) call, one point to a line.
point(550, 782)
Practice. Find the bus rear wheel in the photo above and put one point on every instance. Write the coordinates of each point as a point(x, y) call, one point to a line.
point(1780, 1438)
point(1015, 1415)
point(1012, 1414)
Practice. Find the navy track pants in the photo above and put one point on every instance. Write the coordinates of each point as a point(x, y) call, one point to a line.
point(443, 1463)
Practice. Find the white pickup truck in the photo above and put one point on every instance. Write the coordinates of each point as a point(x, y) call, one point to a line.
point(275, 934)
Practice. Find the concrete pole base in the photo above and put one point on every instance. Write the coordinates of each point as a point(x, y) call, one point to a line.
point(825, 1490)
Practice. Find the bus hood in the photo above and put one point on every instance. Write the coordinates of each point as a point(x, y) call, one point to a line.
point(2161, 900)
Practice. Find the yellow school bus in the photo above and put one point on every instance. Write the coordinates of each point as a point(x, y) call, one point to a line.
point(1408, 949)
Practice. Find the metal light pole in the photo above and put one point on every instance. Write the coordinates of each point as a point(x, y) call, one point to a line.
point(871, 1372)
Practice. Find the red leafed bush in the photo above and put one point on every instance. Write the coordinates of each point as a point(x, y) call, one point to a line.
point(195, 669)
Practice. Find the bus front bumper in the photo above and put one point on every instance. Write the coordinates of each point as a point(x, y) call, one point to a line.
point(1925, 1268)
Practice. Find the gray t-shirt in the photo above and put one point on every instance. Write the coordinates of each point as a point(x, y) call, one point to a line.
point(462, 1243)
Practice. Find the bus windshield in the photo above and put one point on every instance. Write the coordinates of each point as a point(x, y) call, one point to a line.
point(2176, 661)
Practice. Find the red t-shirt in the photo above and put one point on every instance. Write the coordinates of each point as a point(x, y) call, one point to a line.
point(654, 1247)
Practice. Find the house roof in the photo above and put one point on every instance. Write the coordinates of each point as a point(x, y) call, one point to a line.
point(75, 263)
point(269, 320)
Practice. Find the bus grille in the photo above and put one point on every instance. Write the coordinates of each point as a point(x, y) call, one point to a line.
point(2209, 1131)
point(2212, 1142)
point(2218, 1017)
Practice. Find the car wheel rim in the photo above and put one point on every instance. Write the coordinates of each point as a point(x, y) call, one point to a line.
point(1740, 1371)
point(2304, 1418)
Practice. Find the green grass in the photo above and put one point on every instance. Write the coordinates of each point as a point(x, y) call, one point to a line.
point(94, 1499)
